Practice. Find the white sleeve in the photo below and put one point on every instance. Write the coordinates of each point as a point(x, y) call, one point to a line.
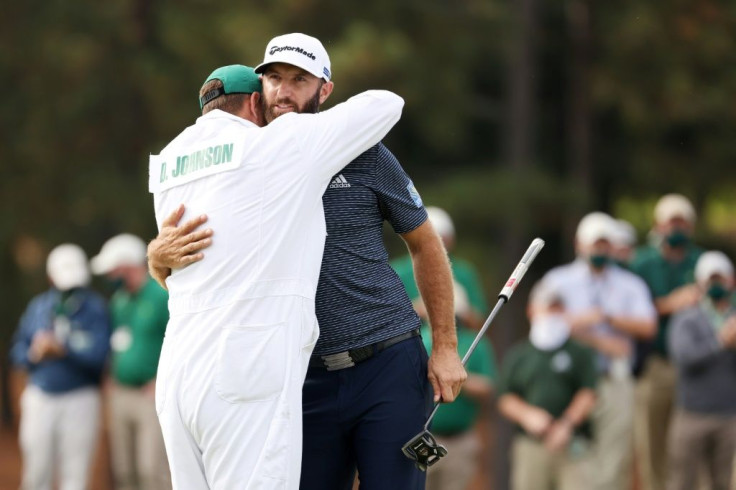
point(335, 137)
point(640, 299)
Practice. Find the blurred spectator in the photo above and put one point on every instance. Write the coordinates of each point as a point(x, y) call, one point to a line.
point(547, 389)
point(463, 272)
point(608, 307)
point(139, 315)
point(455, 423)
point(668, 271)
point(623, 243)
point(62, 341)
point(702, 342)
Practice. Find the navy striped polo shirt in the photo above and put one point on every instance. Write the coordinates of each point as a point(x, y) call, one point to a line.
point(360, 299)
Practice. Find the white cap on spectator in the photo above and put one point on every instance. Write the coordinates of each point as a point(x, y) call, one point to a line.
point(672, 206)
point(543, 295)
point(624, 234)
point(712, 263)
point(67, 267)
point(441, 221)
point(595, 226)
point(125, 249)
point(462, 303)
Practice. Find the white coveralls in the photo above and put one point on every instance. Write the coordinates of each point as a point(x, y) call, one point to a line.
point(242, 323)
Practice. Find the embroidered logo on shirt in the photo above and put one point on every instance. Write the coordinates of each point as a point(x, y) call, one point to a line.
point(414, 194)
point(339, 182)
point(561, 362)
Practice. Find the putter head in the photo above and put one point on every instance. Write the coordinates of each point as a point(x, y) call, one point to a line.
point(424, 450)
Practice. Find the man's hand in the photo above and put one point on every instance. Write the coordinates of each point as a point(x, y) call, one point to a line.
point(446, 373)
point(177, 246)
point(727, 335)
point(149, 389)
point(613, 346)
point(536, 421)
point(585, 320)
point(44, 346)
point(558, 436)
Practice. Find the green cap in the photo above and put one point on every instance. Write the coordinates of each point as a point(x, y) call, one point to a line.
point(236, 79)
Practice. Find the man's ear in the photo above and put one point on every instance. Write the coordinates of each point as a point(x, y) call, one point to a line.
point(325, 91)
point(256, 108)
point(254, 101)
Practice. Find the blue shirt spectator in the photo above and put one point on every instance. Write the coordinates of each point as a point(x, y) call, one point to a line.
point(79, 320)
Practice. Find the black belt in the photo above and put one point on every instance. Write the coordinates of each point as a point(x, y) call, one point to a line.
point(349, 358)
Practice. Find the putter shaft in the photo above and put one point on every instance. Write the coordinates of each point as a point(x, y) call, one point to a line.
point(508, 289)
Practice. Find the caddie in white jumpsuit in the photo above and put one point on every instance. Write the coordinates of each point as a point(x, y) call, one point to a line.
point(242, 324)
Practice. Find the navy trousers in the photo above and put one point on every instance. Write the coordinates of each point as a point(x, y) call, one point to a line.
point(360, 417)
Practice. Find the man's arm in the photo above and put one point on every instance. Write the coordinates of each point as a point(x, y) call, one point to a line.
point(534, 420)
point(678, 300)
point(91, 352)
point(335, 137)
point(21, 343)
point(688, 347)
point(434, 280)
point(177, 246)
point(562, 429)
point(610, 345)
point(481, 373)
point(478, 387)
point(640, 318)
point(637, 327)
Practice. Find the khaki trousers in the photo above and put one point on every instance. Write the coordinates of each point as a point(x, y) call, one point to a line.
point(137, 445)
point(457, 469)
point(613, 425)
point(655, 393)
point(535, 468)
point(701, 441)
point(58, 437)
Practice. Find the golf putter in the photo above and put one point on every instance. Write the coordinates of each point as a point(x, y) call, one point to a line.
point(424, 449)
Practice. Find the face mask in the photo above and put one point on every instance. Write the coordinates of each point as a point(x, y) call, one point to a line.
point(717, 291)
point(677, 239)
point(598, 261)
point(549, 332)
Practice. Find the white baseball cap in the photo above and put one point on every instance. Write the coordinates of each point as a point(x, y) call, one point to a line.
point(624, 234)
point(673, 206)
point(544, 295)
point(67, 267)
point(596, 226)
point(300, 50)
point(441, 221)
point(711, 263)
point(124, 249)
point(462, 303)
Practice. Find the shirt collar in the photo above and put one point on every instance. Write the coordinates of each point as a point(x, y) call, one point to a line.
point(215, 114)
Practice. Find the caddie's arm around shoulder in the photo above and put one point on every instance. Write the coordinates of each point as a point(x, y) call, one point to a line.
point(384, 100)
point(333, 138)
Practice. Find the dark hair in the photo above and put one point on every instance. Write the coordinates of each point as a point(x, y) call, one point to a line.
point(229, 102)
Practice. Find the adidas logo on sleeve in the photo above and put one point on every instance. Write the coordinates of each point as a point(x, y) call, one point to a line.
point(339, 182)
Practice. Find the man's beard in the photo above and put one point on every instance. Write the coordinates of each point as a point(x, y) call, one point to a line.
point(310, 107)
